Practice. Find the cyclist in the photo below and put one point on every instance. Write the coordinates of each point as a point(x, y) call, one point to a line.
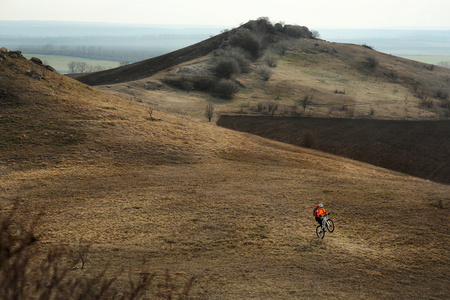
point(319, 211)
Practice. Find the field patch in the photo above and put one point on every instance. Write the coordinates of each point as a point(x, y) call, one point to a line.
point(402, 146)
point(60, 62)
point(429, 59)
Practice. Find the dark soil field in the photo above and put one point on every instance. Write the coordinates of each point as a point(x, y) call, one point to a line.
point(418, 148)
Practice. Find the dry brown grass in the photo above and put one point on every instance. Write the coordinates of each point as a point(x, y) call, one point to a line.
point(231, 209)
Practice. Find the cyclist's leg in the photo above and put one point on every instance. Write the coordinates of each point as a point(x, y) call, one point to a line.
point(319, 220)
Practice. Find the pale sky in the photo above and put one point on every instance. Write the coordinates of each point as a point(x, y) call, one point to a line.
point(231, 13)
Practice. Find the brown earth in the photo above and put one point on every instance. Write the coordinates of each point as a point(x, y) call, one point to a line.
point(231, 209)
point(403, 146)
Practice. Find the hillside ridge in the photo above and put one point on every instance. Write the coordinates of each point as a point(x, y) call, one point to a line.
point(149, 67)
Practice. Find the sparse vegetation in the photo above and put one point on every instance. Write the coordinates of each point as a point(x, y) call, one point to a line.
point(209, 111)
point(225, 88)
point(315, 34)
point(305, 101)
point(271, 59)
point(264, 71)
point(82, 67)
point(227, 67)
point(249, 42)
point(445, 64)
point(308, 140)
point(372, 61)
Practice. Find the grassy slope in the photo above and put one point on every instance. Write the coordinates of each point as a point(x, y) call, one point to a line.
point(310, 68)
point(232, 209)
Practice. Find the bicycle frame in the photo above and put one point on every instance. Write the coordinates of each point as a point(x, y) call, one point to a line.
point(325, 222)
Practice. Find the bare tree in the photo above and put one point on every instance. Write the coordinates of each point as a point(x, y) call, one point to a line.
point(150, 112)
point(307, 100)
point(81, 67)
point(209, 111)
point(264, 71)
point(315, 34)
point(72, 66)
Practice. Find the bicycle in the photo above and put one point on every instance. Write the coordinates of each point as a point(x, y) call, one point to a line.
point(327, 224)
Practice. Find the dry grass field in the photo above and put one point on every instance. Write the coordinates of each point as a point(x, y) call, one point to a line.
point(170, 195)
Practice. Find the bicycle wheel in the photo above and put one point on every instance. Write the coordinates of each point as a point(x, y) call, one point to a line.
point(320, 233)
point(330, 225)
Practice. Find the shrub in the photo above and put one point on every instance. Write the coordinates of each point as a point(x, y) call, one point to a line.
point(297, 31)
point(308, 140)
point(426, 103)
point(429, 67)
point(368, 46)
point(271, 59)
point(241, 58)
point(264, 71)
point(315, 34)
point(372, 61)
point(441, 93)
point(249, 42)
point(226, 67)
point(282, 46)
point(225, 88)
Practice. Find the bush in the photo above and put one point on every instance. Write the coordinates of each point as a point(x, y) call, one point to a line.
point(226, 67)
point(297, 31)
point(249, 42)
point(225, 88)
point(372, 61)
point(282, 46)
point(441, 93)
point(368, 46)
point(271, 60)
point(315, 34)
point(241, 58)
point(264, 71)
point(308, 140)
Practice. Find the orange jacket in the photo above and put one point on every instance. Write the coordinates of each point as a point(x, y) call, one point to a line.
point(320, 211)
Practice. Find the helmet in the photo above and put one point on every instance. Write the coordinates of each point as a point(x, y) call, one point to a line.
point(320, 205)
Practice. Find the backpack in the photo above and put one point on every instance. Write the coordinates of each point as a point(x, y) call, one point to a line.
point(315, 209)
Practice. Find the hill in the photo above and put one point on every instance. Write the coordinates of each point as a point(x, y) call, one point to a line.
point(335, 79)
point(161, 192)
point(307, 77)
